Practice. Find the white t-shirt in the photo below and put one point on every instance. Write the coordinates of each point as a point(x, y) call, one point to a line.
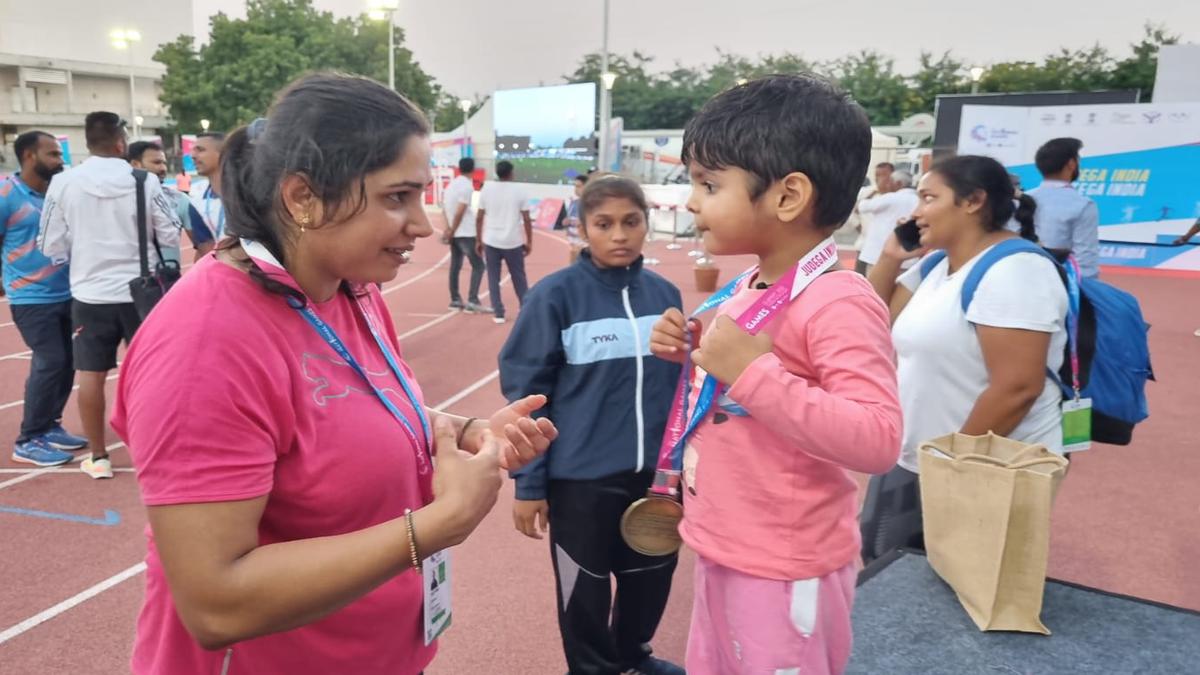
point(459, 192)
point(881, 215)
point(941, 368)
point(502, 203)
point(208, 203)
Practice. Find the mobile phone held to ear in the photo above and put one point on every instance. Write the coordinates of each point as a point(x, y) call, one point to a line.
point(909, 235)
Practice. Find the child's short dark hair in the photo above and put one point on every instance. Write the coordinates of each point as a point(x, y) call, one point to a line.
point(504, 169)
point(610, 186)
point(781, 124)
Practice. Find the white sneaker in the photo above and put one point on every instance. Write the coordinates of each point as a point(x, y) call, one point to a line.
point(498, 319)
point(99, 468)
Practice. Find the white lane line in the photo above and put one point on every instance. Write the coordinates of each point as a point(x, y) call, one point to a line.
point(131, 572)
point(553, 237)
point(441, 318)
point(420, 276)
point(476, 386)
point(30, 474)
point(125, 575)
point(428, 324)
point(17, 355)
point(14, 404)
point(57, 469)
point(445, 317)
point(33, 473)
point(87, 594)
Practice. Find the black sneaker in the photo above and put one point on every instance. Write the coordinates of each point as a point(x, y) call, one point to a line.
point(653, 666)
point(456, 305)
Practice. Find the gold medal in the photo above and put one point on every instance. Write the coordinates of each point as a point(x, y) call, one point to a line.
point(651, 525)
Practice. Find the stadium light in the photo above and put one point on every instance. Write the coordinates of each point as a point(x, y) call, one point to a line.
point(976, 75)
point(124, 39)
point(385, 10)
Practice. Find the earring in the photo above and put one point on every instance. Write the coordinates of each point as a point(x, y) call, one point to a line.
point(303, 221)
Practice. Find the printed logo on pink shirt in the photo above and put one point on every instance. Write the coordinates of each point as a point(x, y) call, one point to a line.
point(332, 378)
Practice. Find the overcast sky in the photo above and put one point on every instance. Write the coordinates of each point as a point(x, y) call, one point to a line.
point(478, 46)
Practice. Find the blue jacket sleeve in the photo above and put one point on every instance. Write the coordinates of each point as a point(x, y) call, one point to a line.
point(200, 232)
point(529, 364)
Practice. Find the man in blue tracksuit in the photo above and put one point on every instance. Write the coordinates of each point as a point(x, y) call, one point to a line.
point(583, 340)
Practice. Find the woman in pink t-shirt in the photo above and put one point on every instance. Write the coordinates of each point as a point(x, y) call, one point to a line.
point(289, 476)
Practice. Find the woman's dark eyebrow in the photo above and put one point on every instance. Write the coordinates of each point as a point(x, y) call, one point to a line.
point(406, 184)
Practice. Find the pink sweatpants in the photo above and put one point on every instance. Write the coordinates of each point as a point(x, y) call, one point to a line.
point(745, 625)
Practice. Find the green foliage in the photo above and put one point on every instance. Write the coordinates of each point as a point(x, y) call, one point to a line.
point(1138, 70)
point(667, 99)
point(232, 79)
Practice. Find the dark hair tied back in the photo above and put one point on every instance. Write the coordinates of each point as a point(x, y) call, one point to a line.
point(969, 174)
point(332, 129)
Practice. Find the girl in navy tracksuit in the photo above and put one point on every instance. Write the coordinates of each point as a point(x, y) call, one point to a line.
point(583, 340)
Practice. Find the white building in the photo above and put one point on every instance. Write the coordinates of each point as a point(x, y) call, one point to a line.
point(58, 63)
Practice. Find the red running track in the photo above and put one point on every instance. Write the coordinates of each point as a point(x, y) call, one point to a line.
point(1127, 519)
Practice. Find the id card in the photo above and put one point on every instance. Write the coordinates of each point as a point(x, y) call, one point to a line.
point(1077, 425)
point(436, 571)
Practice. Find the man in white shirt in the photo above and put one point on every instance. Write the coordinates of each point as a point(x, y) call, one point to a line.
point(503, 209)
point(149, 155)
point(885, 212)
point(883, 185)
point(460, 235)
point(90, 220)
point(206, 194)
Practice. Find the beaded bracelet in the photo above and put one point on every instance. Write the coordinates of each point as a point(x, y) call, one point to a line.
point(412, 540)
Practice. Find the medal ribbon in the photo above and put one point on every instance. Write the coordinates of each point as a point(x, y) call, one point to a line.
point(680, 424)
point(1073, 320)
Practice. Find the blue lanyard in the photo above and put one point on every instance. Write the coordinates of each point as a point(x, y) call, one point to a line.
point(220, 228)
point(1073, 302)
point(807, 269)
point(708, 390)
point(331, 338)
point(421, 450)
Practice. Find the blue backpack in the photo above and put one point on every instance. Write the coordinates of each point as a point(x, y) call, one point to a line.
point(1114, 354)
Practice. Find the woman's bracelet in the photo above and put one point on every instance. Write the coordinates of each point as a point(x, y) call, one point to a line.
point(412, 540)
point(462, 434)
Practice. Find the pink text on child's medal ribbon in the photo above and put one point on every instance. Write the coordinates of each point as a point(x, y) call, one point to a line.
point(816, 262)
point(782, 292)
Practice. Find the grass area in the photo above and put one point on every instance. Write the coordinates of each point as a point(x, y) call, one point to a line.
point(547, 169)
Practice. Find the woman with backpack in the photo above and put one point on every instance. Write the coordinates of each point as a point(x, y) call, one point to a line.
point(969, 367)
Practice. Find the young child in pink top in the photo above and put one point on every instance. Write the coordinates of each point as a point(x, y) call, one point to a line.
point(806, 388)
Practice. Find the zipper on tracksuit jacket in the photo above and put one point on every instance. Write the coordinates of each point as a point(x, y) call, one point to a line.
point(641, 422)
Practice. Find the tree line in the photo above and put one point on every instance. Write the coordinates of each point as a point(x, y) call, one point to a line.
point(231, 79)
